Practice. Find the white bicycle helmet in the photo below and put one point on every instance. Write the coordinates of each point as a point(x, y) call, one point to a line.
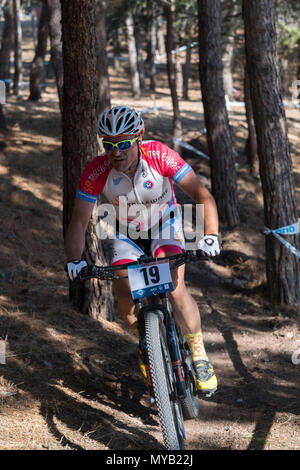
point(119, 121)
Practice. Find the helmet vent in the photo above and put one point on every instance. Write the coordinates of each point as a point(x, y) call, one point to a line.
point(120, 120)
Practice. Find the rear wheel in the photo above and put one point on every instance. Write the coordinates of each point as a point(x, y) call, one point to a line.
point(190, 405)
point(169, 408)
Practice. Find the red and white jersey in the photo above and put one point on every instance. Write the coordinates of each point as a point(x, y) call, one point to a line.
point(152, 185)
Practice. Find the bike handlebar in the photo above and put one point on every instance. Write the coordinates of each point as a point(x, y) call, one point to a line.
point(107, 272)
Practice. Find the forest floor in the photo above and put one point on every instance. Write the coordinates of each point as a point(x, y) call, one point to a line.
point(70, 382)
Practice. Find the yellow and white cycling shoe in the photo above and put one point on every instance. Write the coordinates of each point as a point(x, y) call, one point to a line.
point(206, 378)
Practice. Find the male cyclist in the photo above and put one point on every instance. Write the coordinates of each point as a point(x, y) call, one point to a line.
point(144, 173)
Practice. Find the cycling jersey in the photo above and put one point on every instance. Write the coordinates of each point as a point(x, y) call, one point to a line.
point(151, 187)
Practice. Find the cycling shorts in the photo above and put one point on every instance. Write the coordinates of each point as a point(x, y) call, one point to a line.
point(166, 237)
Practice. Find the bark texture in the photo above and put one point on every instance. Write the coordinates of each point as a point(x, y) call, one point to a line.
point(227, 65)
point(251, 145)
point(54, 24)
point(282, 266)
point(80, 92)
point(7, 41)
point(37, 66)
point(177, 128)
point(132, 54)
point(3, 125)
point(103, 100)
point(18, 75)
point(220, 146)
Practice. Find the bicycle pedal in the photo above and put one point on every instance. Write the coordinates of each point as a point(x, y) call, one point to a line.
point(206, 394)
point(209, 394)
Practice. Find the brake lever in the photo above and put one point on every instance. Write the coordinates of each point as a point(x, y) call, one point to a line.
point(144, 259)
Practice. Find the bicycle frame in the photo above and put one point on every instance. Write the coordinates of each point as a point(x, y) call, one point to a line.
point(108, 273)
point(163, 347)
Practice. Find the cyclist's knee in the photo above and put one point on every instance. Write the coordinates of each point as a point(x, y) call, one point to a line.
point(127, 313)
point(124, 300)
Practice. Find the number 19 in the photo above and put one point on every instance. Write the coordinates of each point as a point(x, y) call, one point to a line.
point(153, 273)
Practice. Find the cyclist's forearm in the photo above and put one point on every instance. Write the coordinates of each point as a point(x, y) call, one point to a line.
point(210, 212)
point(211, 219)
point(75, 240)
point(192, 186)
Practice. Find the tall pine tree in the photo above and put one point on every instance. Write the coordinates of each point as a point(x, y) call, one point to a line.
point(282, 266)
point(80, 99)
point(220, 146)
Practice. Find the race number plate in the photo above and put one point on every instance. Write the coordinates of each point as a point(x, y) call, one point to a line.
point(149, 279)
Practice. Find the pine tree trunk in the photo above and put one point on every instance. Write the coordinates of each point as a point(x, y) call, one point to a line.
point(282, 266)
point(298, 58)
point(133, 66)
point(34, 24)
point(251, 145)
point(37, 66)
point(54, 24)
point(160, 36)
point(3, 125)
point(80, 120)
point(152, 49)
point(116, 50)
point(18, 76)
point(178, 69)
point(227, 64)
point(103, 101)
point(140, 60)
point(138, 33)
point(7, 42)
point(177, 128)
point(186, 73)
point(220, 146)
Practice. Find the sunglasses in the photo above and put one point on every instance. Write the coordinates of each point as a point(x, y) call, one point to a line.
point(122, 145)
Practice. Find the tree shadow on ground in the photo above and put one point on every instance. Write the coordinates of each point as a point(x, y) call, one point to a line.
point(47, 372)
point(263, 395)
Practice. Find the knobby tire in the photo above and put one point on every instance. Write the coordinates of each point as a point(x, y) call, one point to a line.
point(169, 410)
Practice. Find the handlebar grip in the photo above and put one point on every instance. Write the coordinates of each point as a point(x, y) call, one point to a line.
point(86, 272)
point(98, 272)
point(196, 253)
point(200, 254)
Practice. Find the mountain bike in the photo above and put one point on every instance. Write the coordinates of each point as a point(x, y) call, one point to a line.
point(165, 352)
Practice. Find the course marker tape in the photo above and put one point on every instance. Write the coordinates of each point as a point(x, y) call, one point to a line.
point(149, 110)
point(292, 229)
point(190, 147)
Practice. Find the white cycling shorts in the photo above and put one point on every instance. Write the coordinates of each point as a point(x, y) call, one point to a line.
point(165, 238)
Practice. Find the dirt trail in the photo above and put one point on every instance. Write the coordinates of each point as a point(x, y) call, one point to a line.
point(72, 383)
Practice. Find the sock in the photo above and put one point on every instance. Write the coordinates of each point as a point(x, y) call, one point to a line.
point(196, 345)
point(135, 331)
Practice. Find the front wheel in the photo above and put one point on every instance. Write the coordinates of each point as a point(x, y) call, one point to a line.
point(163, 382)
